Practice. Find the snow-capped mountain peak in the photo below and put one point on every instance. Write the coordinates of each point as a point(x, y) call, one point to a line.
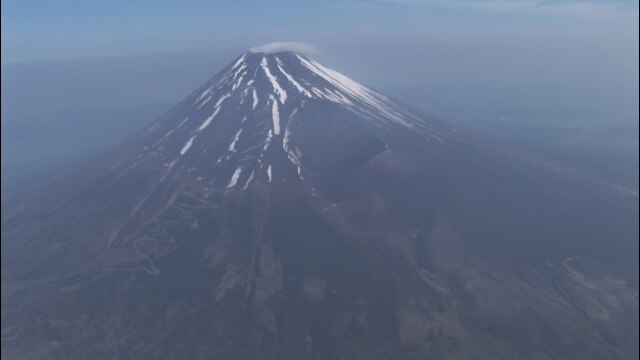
point(238, 127)
point(285, 211)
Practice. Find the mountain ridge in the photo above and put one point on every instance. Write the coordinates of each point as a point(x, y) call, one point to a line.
point(284, 211)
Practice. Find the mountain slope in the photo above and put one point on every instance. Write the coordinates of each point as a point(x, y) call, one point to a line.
point(284, 211)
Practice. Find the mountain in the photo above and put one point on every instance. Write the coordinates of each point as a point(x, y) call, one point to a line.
point(285, 211)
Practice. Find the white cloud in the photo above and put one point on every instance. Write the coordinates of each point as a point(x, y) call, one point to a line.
point(285, 46)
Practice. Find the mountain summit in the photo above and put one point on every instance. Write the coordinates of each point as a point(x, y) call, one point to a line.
point(285, 211)
point(261, 118)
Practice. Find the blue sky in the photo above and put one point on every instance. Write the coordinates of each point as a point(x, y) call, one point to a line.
point(45, 29)
point(522, 56)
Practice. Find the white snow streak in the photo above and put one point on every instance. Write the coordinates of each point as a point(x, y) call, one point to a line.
point(355, 90)
point(207, 121)
point(292, 80)
point(275, 116)
point(237, 84)
point(246, 184)
point(282, 95)
point(204, 93)
point(222, 98)
point(235, 74)
point(234, 178)
point(341, 98)
point(293, 154)
point(172, 130)
point(238, 62)
point(337, 79)
point(232, 146)
point(336, 96)
point(269, 173)
point(267, 140)
point(182, 123)
point(204, 102)
point(255, 100)
point(187, 145)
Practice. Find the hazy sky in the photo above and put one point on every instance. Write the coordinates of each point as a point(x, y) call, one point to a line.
point(540, 53)
point(44, 29)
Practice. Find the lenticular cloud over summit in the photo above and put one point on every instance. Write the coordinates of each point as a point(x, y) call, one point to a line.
point(279, 46)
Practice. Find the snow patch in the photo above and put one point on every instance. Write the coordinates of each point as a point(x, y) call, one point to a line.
point(232, 146)
point(170, 131)
point(207, 121)
point(234, 178)
point(187, 145)
point(275, 116)
point(246, 184)
point(204, 93)
point(238, 83)
point(169, 167)
point(268, 140)
point(334, 96)
point(235, 74)
point(238, 62)
point(255, 100)
point(355, 90)
point(296, 84)
point(222, 98)
point(282, 95)
point(293, 153)
point(204, 102)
